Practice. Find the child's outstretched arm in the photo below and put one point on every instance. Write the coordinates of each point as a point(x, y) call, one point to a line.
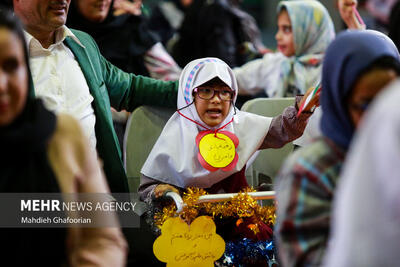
point(286, 127)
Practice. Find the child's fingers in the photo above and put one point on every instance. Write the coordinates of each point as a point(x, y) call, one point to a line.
point(347, 3)
point(347, 12)
point(158, 194)
point(158, 191)
point(162, 188)
point(351, 2)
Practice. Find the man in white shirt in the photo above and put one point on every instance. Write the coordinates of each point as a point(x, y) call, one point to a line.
point(70, 75)
point(51, 69)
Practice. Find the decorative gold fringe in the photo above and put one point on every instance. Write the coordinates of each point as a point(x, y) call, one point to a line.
point(240, 206)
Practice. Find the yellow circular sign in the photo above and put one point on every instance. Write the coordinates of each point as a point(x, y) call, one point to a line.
point(218, 151)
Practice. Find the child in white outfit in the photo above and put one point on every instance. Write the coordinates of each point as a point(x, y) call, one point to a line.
point(207, 142)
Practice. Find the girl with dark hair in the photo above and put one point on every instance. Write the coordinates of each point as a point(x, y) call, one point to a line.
point(305, 30)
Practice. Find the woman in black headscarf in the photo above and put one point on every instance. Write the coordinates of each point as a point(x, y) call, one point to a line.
point(125, 40)
point(44, 153)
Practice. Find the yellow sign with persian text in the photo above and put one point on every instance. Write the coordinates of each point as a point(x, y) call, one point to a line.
point(217, 151)
point(192, 245)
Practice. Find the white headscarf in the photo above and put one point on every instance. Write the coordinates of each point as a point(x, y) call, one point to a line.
point(173, 159)
point(313, 30)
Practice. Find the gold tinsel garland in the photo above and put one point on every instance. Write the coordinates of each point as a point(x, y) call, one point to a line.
point(240, 206)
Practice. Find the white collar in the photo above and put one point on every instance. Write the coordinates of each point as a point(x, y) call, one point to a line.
point(61, 33)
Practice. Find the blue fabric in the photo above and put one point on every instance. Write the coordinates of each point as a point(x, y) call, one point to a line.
point(345, 59)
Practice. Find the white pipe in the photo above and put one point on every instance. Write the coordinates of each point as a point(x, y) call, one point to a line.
point(218, 197)
point(178, 200)
point(222, 197)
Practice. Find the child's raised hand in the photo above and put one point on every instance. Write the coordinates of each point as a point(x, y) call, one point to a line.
point(347, 12)
point(125, 6)
point(162, 188)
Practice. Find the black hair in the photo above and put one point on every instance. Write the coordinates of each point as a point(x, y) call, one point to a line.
point(283, 8)
point(8, 4)
point(383, 63)
point(9, 21)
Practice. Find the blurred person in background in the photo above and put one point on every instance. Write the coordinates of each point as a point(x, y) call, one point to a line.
point(123, 37)
point(380, 11)
point(45, 153)
point(366, 216)
point(218, 29)
point(305, 30)
point(356, 67)
point(166, 19)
